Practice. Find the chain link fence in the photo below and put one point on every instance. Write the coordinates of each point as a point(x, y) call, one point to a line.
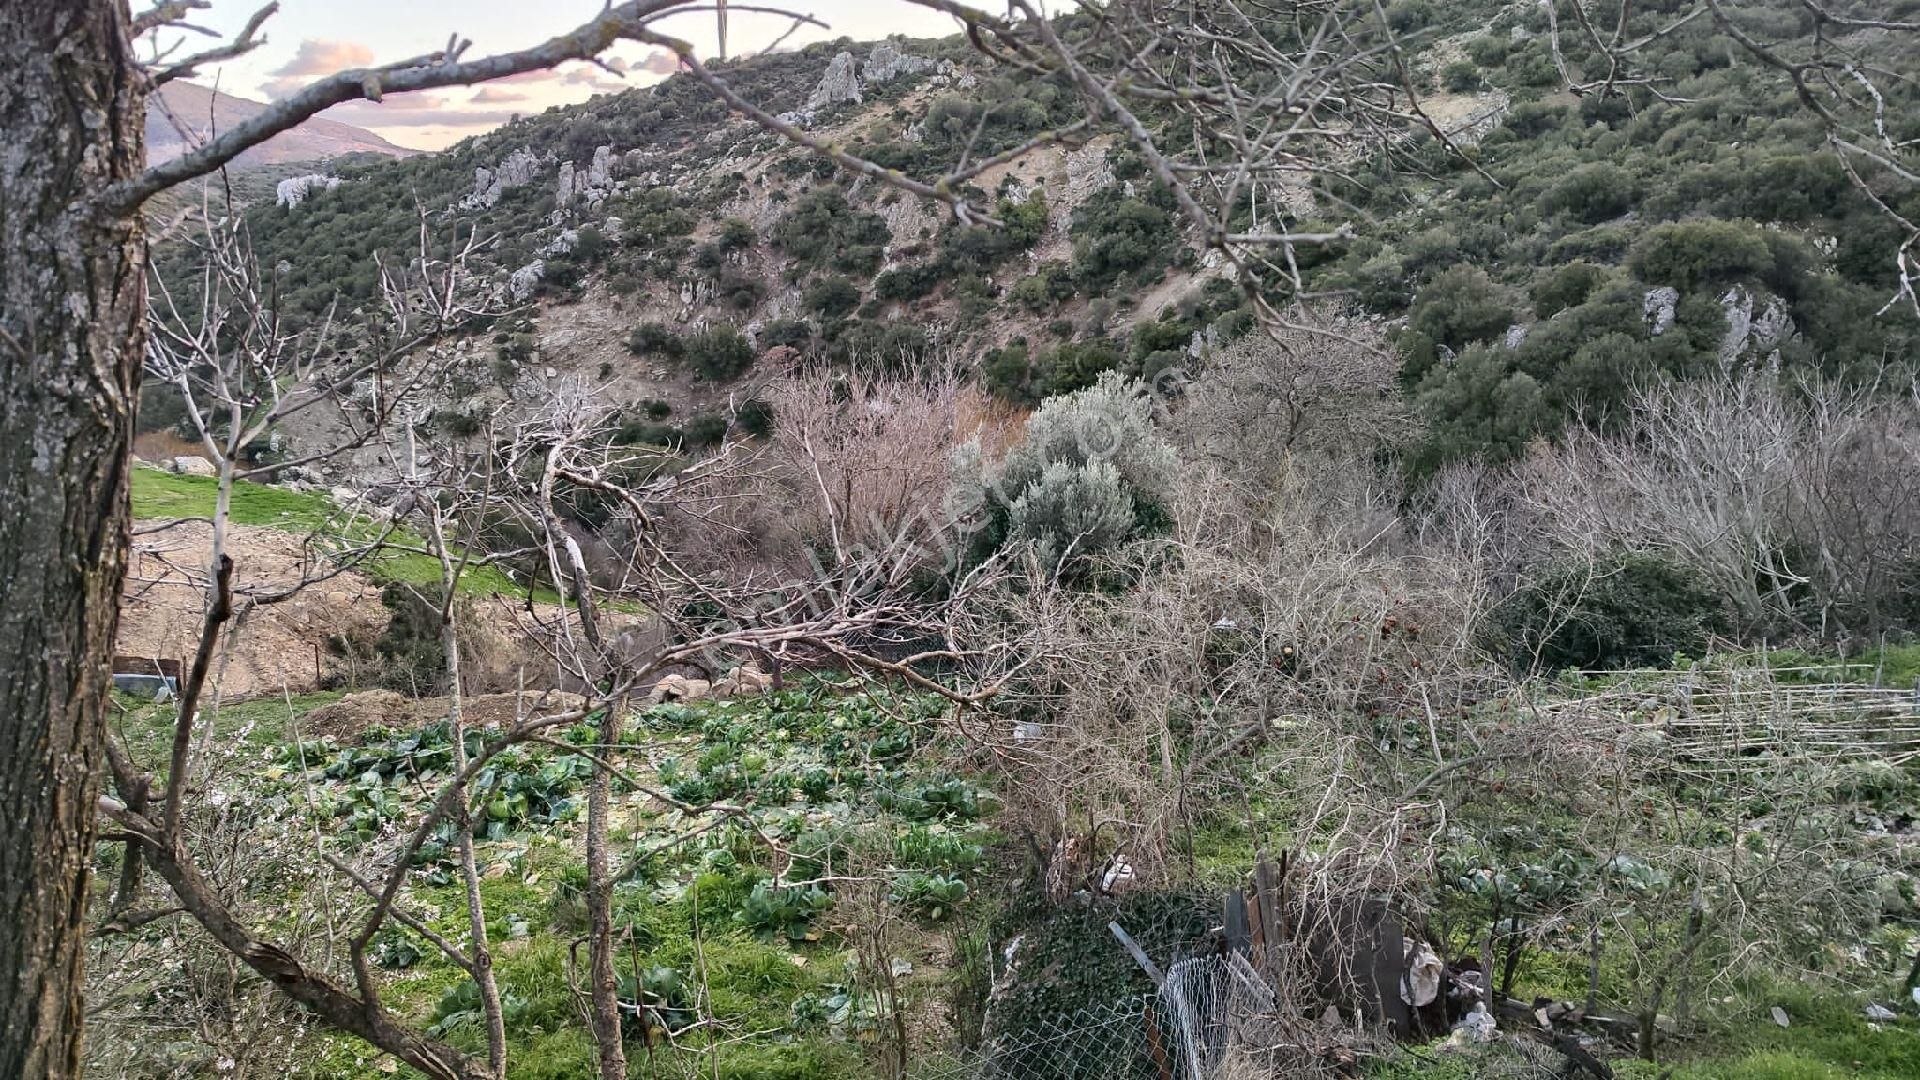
point(1213, 1018)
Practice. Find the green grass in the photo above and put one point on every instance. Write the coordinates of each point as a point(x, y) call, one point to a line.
point(147, 728)
point(1828, 1037)
point(685, 912)
point(163, 496)
point(1895, 666)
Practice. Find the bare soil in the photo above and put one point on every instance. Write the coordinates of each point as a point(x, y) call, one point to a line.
point(269, 647)
point(347, 719)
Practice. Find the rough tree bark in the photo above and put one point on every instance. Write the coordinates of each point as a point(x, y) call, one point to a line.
point(72, 301)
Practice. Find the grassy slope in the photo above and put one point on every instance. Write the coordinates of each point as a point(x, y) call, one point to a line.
point(163, 496)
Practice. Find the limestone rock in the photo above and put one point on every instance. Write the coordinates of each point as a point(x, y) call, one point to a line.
point(887, 63)
point(518, 170)
point(1658, 307)
point(559, 245)
point(526, 279)
point(294, 190)
point(1750, 332)
point(190, 465)
point(1087, 172)
point(600, 172)
point(679, 688)
point(747, 680)
point(840, 84)
point(565, 190)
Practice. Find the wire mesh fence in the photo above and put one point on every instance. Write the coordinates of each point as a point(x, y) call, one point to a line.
point(1213, 1018)
point(1103, 1042)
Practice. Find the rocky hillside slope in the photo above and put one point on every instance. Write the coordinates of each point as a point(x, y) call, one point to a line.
point(1565, 249)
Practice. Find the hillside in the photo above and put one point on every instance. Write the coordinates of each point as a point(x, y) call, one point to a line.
point(183, 113)
point(1553, 259)
point(1481, 641)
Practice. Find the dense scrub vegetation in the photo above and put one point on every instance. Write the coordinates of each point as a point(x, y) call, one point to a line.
point(1469, 594)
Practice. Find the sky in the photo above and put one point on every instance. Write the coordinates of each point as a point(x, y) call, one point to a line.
point(310, 38)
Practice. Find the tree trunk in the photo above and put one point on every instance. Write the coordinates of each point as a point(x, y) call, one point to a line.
point(601, 982)
point(72, 299)
point(463, 819)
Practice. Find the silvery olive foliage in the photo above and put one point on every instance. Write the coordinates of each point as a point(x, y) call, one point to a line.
point(1072, 510)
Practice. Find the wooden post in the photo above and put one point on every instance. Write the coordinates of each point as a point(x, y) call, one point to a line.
point(1139, 956)
point(1235, 922)
point(1156, 1048)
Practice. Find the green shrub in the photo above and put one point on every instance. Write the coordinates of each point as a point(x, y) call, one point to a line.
point(1072, 511)
point(1477, 406)
point(1041, 291)
point(1461, 306)
point(1462, 76)
point(1624, 610)
point(654, 339)
point(756, 418)
point(1565, 287)
point(1110, 421)
point(738, 288)
point(707, 429)
point(719, 353)
point(1592, 193)
point(892, 346)
point(823, 230)
point(734, 235)
point(1694, 254)
point(831, 297)
point(794, 333)
point(1488, 50)
point(1116, 234)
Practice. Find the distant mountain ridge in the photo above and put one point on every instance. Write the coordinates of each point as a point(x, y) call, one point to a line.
point(202, 111)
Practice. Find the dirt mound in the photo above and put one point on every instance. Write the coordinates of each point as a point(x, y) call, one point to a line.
point(267, 647)
point(345, 720)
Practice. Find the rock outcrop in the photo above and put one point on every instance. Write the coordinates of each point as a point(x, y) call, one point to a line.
point(840, 84)
point(1750, 332)
point(845, 79)
point(523, 282)
point(294, 190)
point(593, 183)
point(1658, 306)
point(519, 169)
point(887, 63)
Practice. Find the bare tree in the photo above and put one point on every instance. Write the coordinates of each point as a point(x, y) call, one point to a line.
point(865, 461)
point(1781, 495)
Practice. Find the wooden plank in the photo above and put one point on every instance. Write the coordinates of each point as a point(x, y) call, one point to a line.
point(1139, 956)
point(1234, 922)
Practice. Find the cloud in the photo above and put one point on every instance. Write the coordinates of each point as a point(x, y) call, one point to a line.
point(313, 59)
point(589, 76)
point(417, 110)
point(658, 62)
point(493, 95)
